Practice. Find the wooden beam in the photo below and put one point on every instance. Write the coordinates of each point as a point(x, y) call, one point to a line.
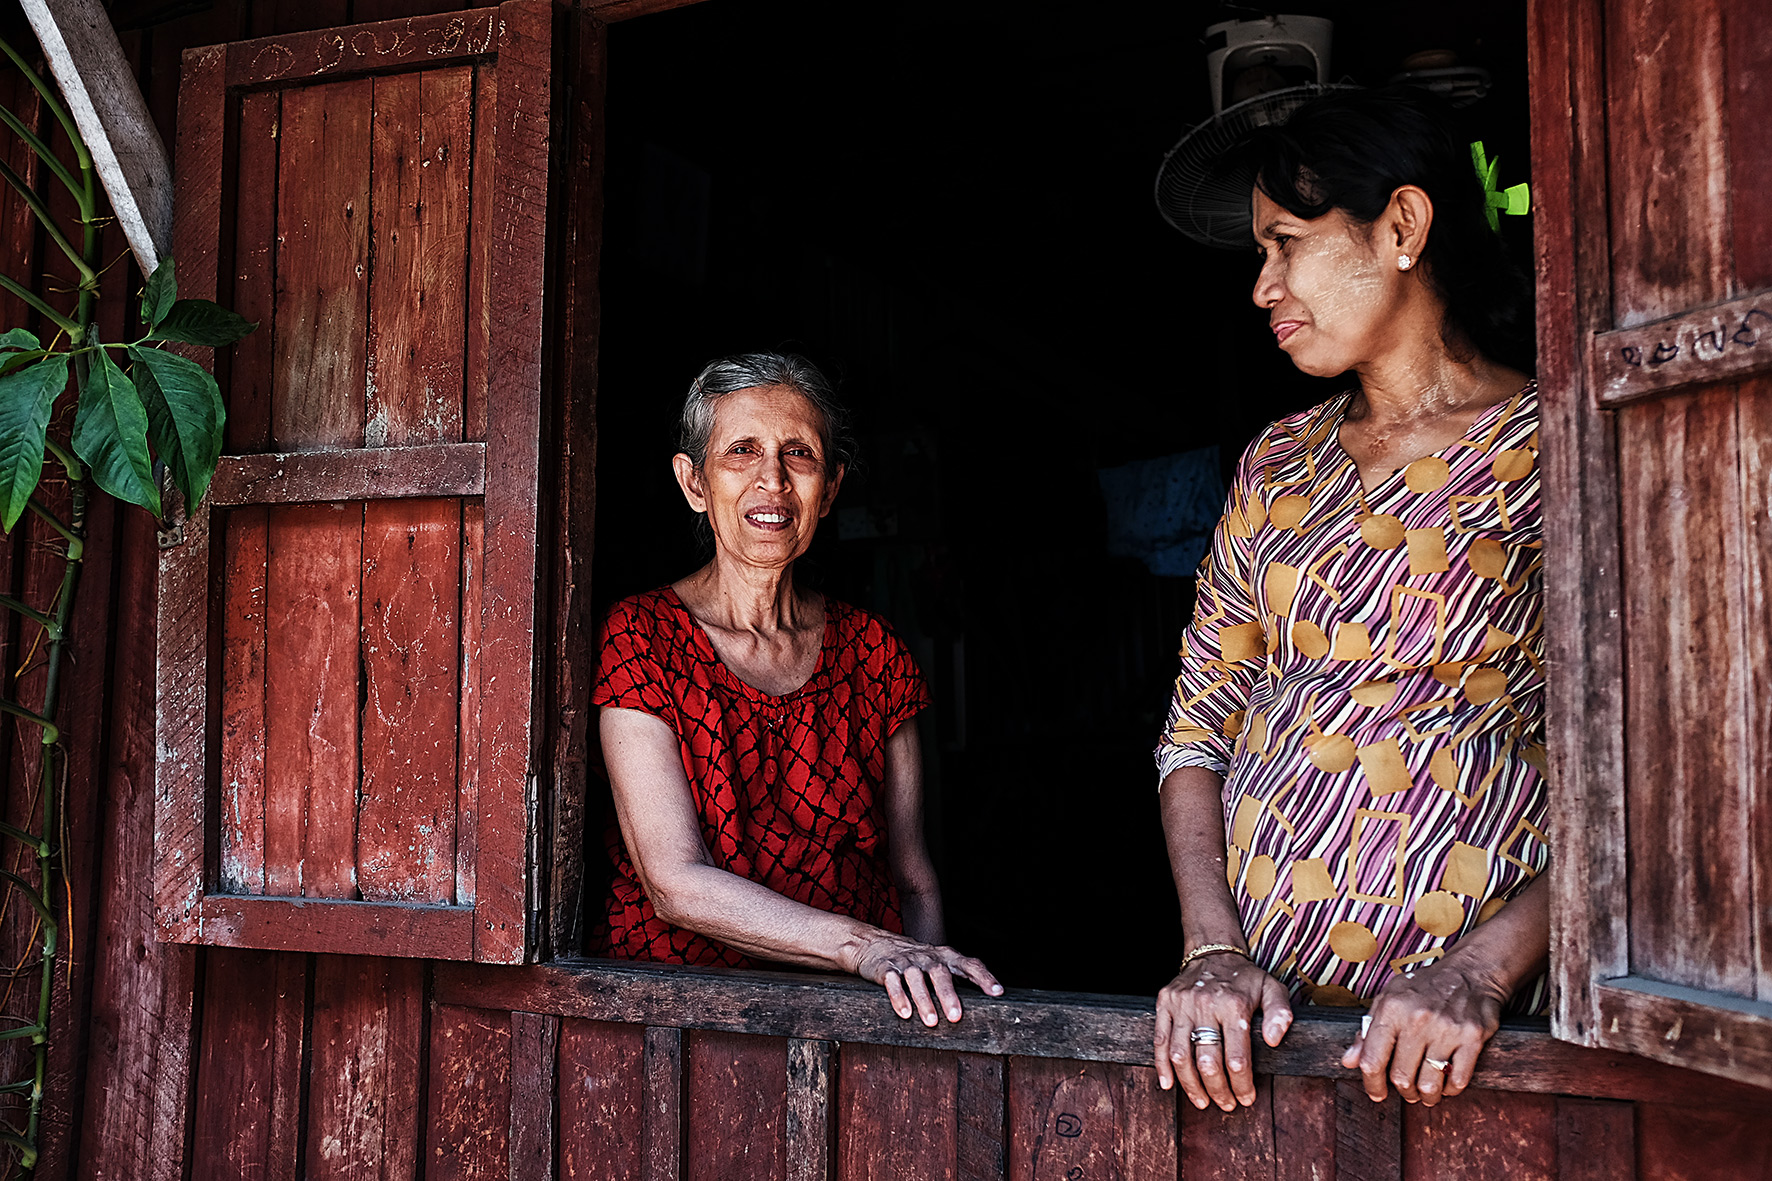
point(108, 107)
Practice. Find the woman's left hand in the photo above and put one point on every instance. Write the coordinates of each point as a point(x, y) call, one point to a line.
point(1426, 1032)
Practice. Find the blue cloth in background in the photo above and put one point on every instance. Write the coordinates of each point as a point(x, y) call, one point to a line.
point(1162, 511)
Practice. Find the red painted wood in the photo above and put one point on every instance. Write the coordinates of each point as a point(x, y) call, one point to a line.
point(17, 224)
point(242, 796)
point(1747, 46)
point(1220, 1144)
point(322, 264)
point(1596, 1140)
point(663, 1115)
point(1482, 1134)
point(1368, 1135)
point(365, 1072)
point(252, 363)
point(467, 767)
point(381, 473)
point(1670, 225)
point(535, 1041)
point(1304, 1128)
point(311, 694)
point(468, 1104)
point(422, 137)
point(410, 658)
point(982, 1117)
point(380, 10)
point(1691, 917)
point(895, 1114)
point(1755, 426)
point(1696, 1144)
point(1088, 1119)
point(338, 928)
point(317, 48)
point(248, 1103)
point(735, 1089)
point(477, 344)
point(600, 1088)
point(513, 460)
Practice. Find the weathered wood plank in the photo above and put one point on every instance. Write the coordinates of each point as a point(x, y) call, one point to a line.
point(1747, 45)
point(1696, 1144)
point(1596, 1140)
point(341, 52)
point(411, 671)
point(242, 803)
point(1368, 1135)
point(661, 1133)
point(1722, 342)
point(1225, 1144)
point(99, 90)
point(248, 1105)
point(422, 149)
point(1583, 591)
point(322, 266)
point(513, 463)
point(602, 1101)
point(535, 1042)
point(609, 11)
point(139, 1075)
point(467, 766)
point(477, 344)
point(1521, 1056)
point(1482, 1134)
point(809, 1147)
point(1755, 436)
point(311, 687)
point(18, 225)
point(1304, 1128)
point(1684, 618)
point(981, 1133)
point(1710, 1031)
point(364, 1074)
point(1670, 225)
point(337, 928)
point(735, 1096)
point(380, 473)
point(1070, 1119)
point(468, 1107)
point(895, 1113)
point(251, 364)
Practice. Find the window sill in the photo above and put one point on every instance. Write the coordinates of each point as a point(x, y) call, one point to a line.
point(1522, 1056)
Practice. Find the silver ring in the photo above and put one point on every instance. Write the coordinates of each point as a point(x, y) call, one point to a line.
point(1206, 1035)
point(1437, 1063)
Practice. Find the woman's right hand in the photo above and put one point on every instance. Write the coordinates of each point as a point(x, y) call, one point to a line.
point(919, 976)
point(1222, 991)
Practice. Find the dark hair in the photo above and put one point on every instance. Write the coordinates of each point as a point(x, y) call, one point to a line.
point(1351, 149)
point(747, 371)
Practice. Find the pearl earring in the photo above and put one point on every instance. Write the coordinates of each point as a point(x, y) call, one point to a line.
point(1404, 262)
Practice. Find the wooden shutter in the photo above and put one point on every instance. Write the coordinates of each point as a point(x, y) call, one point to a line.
point(346, 626)
point(1652, 128)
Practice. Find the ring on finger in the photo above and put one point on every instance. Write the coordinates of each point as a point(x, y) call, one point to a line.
point(1437, 1063)
point(1206, 1035)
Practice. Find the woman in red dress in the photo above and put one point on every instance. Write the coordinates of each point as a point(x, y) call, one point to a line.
point(760, 738)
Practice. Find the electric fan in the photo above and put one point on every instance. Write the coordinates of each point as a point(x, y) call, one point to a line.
point(1197, 193)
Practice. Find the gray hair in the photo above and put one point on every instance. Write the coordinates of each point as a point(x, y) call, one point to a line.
point(748, 371)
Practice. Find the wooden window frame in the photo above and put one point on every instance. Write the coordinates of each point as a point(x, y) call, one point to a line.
point(504, 470)
point(1585, 371)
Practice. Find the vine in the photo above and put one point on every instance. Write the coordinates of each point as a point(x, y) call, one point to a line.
point(156, 417)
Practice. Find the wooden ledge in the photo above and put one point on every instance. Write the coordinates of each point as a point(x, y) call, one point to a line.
point(1024, 1022)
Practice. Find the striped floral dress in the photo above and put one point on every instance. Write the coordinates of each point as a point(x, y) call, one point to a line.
point(1365, 669)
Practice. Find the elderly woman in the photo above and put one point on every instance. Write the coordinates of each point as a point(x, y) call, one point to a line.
point(760, 738)
point(1352, 769)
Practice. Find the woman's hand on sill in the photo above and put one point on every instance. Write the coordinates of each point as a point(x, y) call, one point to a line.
point(918, 977)
point(1427, 1029)
point(1222, 992)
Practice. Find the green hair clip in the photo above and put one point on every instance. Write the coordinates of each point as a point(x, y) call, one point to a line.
point(1515, 199)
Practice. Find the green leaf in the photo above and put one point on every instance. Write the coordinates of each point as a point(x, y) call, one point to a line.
point(26, 398)
point(185, 417)
point(111, 435)
point(159, 294)
point(199, 321)
point(18, 338)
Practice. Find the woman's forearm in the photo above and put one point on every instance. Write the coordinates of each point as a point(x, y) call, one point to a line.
point(1192, 802)
point(756, 920)
point(921, 911)
point(1512, 948)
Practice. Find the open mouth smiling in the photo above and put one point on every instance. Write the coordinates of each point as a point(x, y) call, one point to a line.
point(770, 518)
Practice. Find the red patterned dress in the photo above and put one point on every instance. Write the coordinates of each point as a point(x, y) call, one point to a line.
point(789, 789)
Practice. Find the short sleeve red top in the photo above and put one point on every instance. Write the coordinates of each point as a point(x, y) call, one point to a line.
point(789, 789)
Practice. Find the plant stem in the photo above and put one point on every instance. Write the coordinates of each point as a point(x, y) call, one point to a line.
point(88, 275)
point(44, 153)
point(35, 302)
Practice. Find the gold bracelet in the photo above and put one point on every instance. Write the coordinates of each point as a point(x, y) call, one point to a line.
point(1206, 949)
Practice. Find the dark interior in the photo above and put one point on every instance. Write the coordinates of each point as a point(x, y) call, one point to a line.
point(949, 207)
